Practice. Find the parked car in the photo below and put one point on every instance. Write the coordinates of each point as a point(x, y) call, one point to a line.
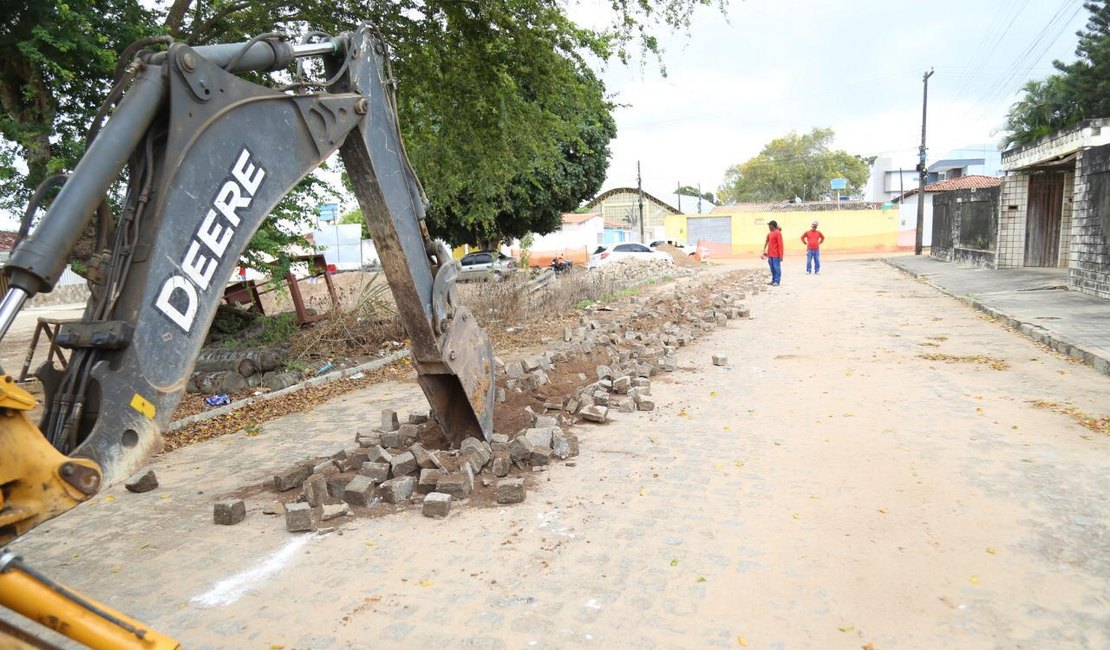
point(680, 245)
point(486, 265)
point(616, 252)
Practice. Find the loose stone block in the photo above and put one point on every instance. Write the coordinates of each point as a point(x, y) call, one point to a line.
point(423, 458)
point(458, 485)
point(501, 466)
point(545, 422)
point(499, 438)
point(622, 384)
point(540, 456)
point(437, 505)
point(370, 439)
point(410, 433)
point(292, 477)
point(356, 459)
point(478, 447)
point(379, 455)
point(328, 465)
point(604, 372)
point(428, 480)
point(144, 482)
point(376, 472)
point(531, 364)
point(316, 490)
point(509, 490)
point(720, 360)
point(540, 438)
point(599, 414)
point(333, 510)
point(273, 508)
point(397, 490)
point(514, 369)
point(520, 448)
point(626, 405)
point(229, 512)
point(404, 464)
point(572, 444)
point(359, 491)
point(393, 440)
point(418, 417)
point(298, 517)
point(390, 421)
point(645, 405)
point(336, 484)
point(560, 448)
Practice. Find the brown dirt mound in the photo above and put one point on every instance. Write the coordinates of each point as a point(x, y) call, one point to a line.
point(680, 258)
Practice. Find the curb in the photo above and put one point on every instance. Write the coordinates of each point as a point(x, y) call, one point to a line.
point(315, 381)
point(1032, 331)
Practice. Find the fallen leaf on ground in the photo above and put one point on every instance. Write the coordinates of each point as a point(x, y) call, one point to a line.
point(425, 583)
point(796, 516)
point(674, 561)
point(741, 641)
point(643, 492)
point(882, 510)
point(991, 550)
point(868, 646)
point(974, 580)
point(701, 579)
point(847, 628)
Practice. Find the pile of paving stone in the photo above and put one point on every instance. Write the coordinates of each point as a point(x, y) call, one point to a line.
point(391, 466)
point(633, 271)
point(220, 370)
point(634, 352)
point(393, 463)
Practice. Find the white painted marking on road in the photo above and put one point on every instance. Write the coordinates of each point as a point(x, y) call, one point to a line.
point(231, 589)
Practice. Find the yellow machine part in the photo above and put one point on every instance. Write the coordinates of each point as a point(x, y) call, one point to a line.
point(81, 619)
point(37, 482)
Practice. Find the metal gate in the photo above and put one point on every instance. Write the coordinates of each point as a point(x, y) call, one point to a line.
point(1042, 221)
point(714, 229)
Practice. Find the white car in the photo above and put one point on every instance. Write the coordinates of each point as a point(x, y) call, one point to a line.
point(680, 245)
point(617, 252)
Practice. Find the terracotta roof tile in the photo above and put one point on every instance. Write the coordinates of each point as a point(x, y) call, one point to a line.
point(962, 183)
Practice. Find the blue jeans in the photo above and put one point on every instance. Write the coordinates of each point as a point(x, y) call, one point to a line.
point(813, 256)
point(776, 269)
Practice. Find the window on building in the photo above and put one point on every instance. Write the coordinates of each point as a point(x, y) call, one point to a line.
point(977, 228)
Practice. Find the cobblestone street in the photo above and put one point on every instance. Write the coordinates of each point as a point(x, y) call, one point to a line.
point(877, 464)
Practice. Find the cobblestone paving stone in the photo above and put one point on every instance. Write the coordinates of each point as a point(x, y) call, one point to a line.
point(828, 489)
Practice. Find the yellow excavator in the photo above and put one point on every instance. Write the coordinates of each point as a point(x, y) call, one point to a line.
point(201, 156)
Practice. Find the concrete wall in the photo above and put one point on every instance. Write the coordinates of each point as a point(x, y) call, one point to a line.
point(957, 202)
point(846, 231)
point(907, 222)
point(1010, 251)
point(1089, 251)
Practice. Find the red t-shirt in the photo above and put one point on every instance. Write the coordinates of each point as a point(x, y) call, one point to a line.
point(774, 243)
point(813, 239)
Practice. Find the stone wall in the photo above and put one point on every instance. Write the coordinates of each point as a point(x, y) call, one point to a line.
point(956, 206)
point(1089, 251)
point(1010, 250)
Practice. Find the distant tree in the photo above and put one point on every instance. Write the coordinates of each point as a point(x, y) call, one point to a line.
point(690, 190)
point(1046, 106)
point(536, 197)
point(1079, 91)
point(794, 166)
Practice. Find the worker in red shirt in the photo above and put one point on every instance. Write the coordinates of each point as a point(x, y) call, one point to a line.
point(772, 252)
point(813, 239)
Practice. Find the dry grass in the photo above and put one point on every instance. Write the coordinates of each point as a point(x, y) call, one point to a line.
point(991, 362)
point(362, 327)
point(1098, 425)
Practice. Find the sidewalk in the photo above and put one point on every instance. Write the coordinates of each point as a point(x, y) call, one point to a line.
point(1034, 301)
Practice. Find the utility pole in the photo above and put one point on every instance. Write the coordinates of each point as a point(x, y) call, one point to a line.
point(640, 191)
point(918, 242)
point(678, 195)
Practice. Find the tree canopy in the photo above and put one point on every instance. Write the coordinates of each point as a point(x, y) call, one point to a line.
point(503, 120)
point(1079, 91)
point(794, 166)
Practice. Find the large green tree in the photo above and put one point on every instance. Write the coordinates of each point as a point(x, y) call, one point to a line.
point(795, 165)
point(1079, 91)
point(482, 83)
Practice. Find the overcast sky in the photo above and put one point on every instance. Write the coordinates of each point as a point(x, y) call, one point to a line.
point(773, 66)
